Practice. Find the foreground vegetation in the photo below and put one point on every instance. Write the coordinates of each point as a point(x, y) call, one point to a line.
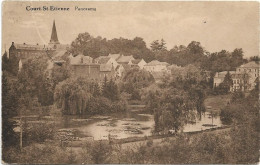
point(236, 145)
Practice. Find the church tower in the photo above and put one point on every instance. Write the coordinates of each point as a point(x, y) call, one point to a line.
point(54, 37)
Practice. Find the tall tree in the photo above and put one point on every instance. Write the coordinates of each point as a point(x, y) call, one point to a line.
point(225, 86)
point(9, 110)
point(155, 46)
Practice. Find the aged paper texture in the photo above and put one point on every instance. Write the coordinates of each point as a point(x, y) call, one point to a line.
point(121, 82)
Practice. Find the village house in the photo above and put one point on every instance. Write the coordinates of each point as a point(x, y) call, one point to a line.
point(244, 78)
point(252, 69)
point(80, 59)
point(156, 66)
point(125, 60)
point(21, 53)
point(115, 56)
point(139, 63)
point(106, 60)
point(119, 70)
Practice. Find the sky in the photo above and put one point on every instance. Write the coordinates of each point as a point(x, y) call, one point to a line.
point(216, 25)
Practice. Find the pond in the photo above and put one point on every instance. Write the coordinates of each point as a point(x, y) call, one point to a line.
point(133, 123)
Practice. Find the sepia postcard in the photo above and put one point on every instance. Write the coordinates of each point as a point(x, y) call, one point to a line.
point(119, 82)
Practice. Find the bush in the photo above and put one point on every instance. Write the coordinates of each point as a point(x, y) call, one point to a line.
point(38, 132)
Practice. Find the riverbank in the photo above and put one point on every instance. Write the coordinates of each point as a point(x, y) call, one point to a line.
point(140, 140)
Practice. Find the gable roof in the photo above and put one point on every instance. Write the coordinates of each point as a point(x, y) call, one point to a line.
point(31, 47)
point(81, 59)
point(114, 56)
point(119, 66)
point(136, 61)
point(251, 64)
point(125, 59)
point(223, 74)
point(102, 59)
point(126, 67)
point(156, 62)
point(57, 55)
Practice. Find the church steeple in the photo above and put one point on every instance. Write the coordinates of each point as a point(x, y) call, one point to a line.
point(54, 36)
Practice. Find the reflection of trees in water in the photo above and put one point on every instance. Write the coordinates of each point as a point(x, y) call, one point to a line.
point(66, 121)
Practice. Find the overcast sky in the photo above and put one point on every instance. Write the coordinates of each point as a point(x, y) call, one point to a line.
point(216, 25)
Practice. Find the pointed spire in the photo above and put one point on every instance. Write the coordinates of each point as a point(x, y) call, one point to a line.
point(54, 36)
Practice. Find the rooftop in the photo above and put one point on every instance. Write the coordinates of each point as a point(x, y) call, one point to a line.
point(114, 56)
point(136, 61)
point(125, 59)
point(251, 64)
point(156, 62)
point(80, 59)
point(31, 47)
point(223, 74)
point(102, 59)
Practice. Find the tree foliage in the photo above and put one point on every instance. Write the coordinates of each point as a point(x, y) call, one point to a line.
point(83, 97)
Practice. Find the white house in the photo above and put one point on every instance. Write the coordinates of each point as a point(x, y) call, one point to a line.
point(252, 69)
point(138, 63)
point(80, 59)
point(114, 56)
point(125, 60)
point(156, 66)
point(106, 60)
point(244, 77)
point(219, 77)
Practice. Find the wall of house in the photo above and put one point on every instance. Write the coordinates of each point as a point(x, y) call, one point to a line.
point(141, 64)
point(155, 68)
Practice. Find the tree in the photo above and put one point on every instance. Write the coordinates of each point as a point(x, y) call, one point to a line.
point(225, 86)
point(72, 96)
point(89, 45)
point(195, 48)
point(236, 58)
point(9, 110)
point(162, 45)
point(255, 58)
point(155, 46)
point(138, 78)
point(110, 90)
point(99, 152)
point(34, 81)
point(5, 63)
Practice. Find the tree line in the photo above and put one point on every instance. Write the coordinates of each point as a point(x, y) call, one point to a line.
point(181, 55)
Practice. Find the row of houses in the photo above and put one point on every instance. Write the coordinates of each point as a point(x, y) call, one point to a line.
point(244, 77)
point(112, 66)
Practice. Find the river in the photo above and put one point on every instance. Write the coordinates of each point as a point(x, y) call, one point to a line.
point(132, 123)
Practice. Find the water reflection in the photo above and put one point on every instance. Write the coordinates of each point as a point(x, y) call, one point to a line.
point(124, 125)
